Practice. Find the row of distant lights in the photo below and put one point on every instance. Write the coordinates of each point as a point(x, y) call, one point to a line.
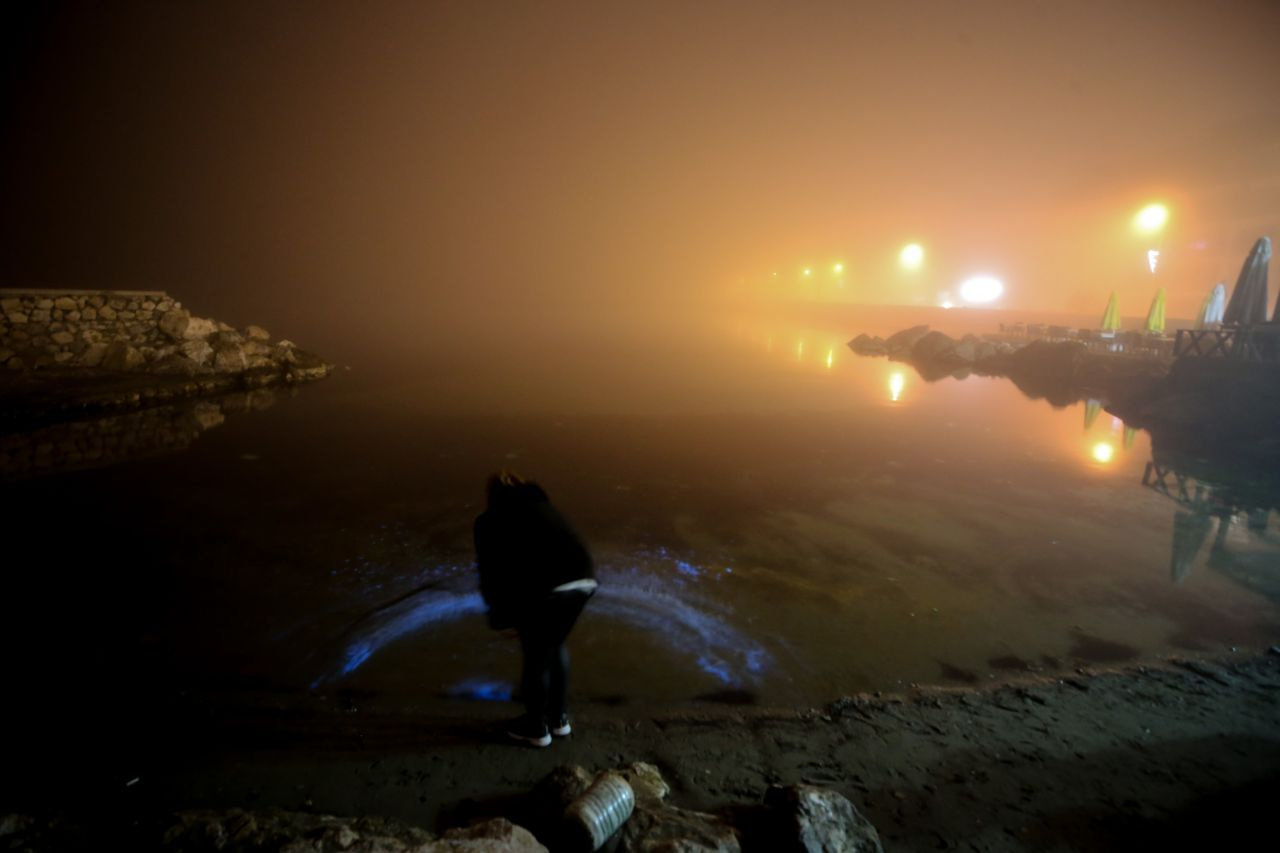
point(976, 290)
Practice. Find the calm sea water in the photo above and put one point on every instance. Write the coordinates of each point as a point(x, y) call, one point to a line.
point(774, 519)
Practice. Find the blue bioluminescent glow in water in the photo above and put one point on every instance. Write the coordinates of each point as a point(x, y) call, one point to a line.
point(429, 608)
point(649, 596)
point(480, 690)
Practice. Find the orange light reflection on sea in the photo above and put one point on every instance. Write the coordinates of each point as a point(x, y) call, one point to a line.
point(896, 383)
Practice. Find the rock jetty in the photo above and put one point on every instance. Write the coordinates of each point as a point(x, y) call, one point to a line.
point(138, 331)
point(1060, 371)
point(65, 355)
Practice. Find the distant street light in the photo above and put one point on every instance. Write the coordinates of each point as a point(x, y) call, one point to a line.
point(1151, 218)
point(911, 256)
point(839, 268)
point(808, 271)
point(981, 289)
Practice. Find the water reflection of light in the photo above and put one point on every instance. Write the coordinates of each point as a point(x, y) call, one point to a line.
point(896, 382)
point(1103, 452)
point(831, 357)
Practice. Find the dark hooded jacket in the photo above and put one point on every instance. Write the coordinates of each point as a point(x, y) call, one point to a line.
point(525, 548)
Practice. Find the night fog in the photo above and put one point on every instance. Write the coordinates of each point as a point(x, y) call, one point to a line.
point(729, 426)
point(378, 177)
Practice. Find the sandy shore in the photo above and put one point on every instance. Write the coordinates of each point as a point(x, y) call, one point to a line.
point(1177, 754)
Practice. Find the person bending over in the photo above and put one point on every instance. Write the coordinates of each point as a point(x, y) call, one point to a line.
point(536, 575)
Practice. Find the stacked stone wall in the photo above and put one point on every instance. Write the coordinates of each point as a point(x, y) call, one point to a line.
point(145, 331)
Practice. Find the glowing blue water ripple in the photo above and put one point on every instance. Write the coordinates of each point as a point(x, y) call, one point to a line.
point(432, 607)
point(480, 690)
point(660, 603)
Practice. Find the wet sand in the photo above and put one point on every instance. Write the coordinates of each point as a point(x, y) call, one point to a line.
point(1174, 754)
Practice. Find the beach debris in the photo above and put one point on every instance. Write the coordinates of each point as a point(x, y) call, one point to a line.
point(603, 808)
point(816, 819)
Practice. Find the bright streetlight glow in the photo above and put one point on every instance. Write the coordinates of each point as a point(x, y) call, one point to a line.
point(981, 289)
point(839, 268)
point(1102, 452)
point(1151, 218)
point(911, 256)
point(808, 271)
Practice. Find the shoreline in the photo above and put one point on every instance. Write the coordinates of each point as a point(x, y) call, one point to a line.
point(1107, 757)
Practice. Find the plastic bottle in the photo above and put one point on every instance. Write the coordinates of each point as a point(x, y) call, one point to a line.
point(601, 810)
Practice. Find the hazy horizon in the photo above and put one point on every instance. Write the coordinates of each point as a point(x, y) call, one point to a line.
point(375, 176)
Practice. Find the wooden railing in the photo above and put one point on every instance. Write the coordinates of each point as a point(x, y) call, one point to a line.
point(1244, 343)
point(1205, 343)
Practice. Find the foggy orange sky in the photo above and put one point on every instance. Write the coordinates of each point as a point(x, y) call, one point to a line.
point(393, 169)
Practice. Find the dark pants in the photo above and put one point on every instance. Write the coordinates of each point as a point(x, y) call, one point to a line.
point(544, 680)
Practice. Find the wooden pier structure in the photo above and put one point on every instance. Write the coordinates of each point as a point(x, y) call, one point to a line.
point(1256, 343)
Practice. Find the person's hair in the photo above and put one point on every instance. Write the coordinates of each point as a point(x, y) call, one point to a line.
point(505, 485)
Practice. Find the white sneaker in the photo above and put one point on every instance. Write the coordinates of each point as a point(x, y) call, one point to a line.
point(534, 734)
point(562, 728)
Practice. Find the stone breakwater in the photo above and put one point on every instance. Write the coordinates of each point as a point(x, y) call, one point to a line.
point(138, 331)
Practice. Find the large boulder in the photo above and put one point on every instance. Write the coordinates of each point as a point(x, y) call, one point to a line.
point(933, 346)
point(121, 356)
point(498, 835)
point(818, 820)
point(229, 354)
point(1049, 370)
point(646, 782)
point(199, 328)
point(901, 343)
point(559, 788)
point(867, 345)
point(965, 351)
point(664, 829)
point(229, 359)
point(175, 364)
point(175, 323)
point(225, 339)
point(306, 366)
point(92, 355)
point(198, 351)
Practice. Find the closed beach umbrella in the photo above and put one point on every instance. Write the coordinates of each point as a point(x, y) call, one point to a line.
point(1249, 300)
point(1155, 316)
point(1215, 304)
point(1190, 530)
point(1092, 408)
point(1111, 317)
point(1201, 322)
